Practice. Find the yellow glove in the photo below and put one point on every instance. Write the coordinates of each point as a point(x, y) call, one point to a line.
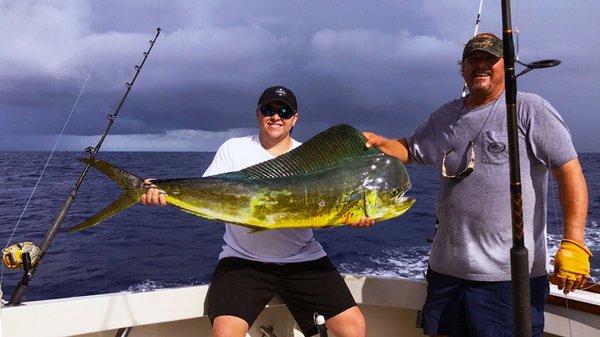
point(571, 265)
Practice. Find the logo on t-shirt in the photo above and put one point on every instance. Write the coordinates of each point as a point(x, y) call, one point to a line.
point(496, 147)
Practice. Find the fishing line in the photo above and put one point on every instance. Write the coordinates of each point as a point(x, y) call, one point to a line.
point(158, 13)
point(568, 319)
point(48, 160)
point(552, 182)
point(533, 29)
point(516, 31)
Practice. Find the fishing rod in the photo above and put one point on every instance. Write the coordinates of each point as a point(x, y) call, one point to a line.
point(519, 255)
point(28, 256)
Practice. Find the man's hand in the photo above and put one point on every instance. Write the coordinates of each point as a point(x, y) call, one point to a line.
point(571, 265)
point(392, 147)
point(153, 196)
point(374, 139)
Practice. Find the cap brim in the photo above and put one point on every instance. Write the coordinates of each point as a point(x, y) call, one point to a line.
point(485, 50)
point(278, 100)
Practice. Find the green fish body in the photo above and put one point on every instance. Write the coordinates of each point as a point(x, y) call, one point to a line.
point(330, 180)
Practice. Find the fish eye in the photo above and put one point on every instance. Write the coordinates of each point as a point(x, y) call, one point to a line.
point(395, 191)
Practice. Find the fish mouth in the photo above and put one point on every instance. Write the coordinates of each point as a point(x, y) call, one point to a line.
point(406, 204)
point(403, 202)
point(400, 206)
point(400, 199)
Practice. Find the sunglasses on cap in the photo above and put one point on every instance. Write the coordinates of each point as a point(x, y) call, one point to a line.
point(284, 111)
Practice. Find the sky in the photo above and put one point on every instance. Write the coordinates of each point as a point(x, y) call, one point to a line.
point(382, 66)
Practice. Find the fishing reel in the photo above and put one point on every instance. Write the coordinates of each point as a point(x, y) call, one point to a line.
point(20, 255)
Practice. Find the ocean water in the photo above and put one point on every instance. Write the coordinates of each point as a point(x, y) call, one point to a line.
point(146, 248)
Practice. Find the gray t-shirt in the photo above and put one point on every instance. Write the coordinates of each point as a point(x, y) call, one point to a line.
point(474, 235)
point(274, 246)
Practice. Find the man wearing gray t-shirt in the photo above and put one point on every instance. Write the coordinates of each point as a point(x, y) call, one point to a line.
point(469, 290)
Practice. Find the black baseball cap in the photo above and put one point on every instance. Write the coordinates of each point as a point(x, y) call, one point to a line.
point(486, 42)
point(278, 93)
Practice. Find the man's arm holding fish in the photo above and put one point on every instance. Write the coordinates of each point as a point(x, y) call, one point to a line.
point(392, 147)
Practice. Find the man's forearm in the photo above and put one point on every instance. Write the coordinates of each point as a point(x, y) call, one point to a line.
point(400, 149)
point(573, 195)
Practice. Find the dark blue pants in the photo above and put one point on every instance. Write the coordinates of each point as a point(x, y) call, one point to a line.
point(458, 307)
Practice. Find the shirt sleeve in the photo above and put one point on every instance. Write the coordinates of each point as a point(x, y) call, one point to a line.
point(220, 163)
point(418, 144)
point(546, 133)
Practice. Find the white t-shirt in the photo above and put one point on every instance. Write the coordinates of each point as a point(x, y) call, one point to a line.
point(274, 246)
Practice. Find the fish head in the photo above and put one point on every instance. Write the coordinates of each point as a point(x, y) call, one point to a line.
point(385, 183)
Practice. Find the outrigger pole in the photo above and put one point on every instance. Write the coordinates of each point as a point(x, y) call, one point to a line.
point(29, 266)
point(519, 256)
point(477, 22)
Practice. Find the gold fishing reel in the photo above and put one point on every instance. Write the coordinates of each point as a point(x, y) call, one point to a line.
point(12, 256)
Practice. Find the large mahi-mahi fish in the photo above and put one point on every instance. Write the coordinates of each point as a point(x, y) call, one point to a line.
point(330, 180)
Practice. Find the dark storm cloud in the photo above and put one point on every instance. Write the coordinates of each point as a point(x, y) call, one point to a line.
point(382, 66)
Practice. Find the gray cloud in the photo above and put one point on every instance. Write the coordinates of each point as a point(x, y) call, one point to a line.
point(381, 66)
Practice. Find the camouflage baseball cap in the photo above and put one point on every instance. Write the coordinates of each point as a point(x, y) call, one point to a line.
point(487, 42)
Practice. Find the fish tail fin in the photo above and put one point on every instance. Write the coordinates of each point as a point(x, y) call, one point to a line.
point(132, 191)
point(127, 199)
point(125, 179)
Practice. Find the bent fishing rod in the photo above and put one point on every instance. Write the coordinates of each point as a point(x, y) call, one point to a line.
point(27, 255)
point(519, 255)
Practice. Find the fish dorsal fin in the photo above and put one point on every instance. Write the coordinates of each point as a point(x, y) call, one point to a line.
point(332, 147)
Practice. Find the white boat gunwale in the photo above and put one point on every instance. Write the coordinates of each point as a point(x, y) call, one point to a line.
point(388, 303)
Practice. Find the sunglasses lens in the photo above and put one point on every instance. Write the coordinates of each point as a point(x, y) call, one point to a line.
point(267, 110)
point(285, 112)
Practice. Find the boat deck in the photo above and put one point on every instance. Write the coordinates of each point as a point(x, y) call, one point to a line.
point(391, 308)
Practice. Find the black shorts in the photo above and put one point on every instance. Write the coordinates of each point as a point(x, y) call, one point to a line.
point(242, 288)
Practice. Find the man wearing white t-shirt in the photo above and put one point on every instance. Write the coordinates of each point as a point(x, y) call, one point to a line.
point(254, 267)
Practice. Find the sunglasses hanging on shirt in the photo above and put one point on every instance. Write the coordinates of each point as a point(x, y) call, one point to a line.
point(471, 165)
point(464, 173)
